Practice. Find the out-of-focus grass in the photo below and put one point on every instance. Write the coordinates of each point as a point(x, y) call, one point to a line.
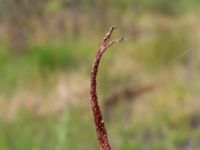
point(40, 61)
point(163, 50)
point(68, 131)
point(59, 56)
point(164, 124)
point(162, 120)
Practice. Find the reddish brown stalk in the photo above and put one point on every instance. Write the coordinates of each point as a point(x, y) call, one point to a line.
point(98, 119)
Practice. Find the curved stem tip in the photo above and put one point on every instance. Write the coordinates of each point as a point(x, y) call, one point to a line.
point(97, 115)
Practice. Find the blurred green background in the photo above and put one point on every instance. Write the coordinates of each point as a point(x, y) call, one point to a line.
point(148, 85)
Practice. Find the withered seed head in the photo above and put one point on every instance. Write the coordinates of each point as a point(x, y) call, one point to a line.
point(98, 119)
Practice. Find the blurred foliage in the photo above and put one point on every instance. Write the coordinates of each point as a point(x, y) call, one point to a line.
point(155, 131)
point(41, 39)
point(163, 51)
point(39, 61)
point(161, 6)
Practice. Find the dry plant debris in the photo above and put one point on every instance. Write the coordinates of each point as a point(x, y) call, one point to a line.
point(98, 118)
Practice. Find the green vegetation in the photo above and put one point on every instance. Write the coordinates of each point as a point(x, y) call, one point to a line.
point(45, 61)
point(39, 61)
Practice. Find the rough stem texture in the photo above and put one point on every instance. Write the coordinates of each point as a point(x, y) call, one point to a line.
point(98, 118)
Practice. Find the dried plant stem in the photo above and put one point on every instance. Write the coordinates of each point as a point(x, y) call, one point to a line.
point(98, 119)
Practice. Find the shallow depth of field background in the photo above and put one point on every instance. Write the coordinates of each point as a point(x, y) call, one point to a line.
point(149, 85)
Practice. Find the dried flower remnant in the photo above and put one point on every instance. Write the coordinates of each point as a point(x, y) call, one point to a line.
point(98, 119)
